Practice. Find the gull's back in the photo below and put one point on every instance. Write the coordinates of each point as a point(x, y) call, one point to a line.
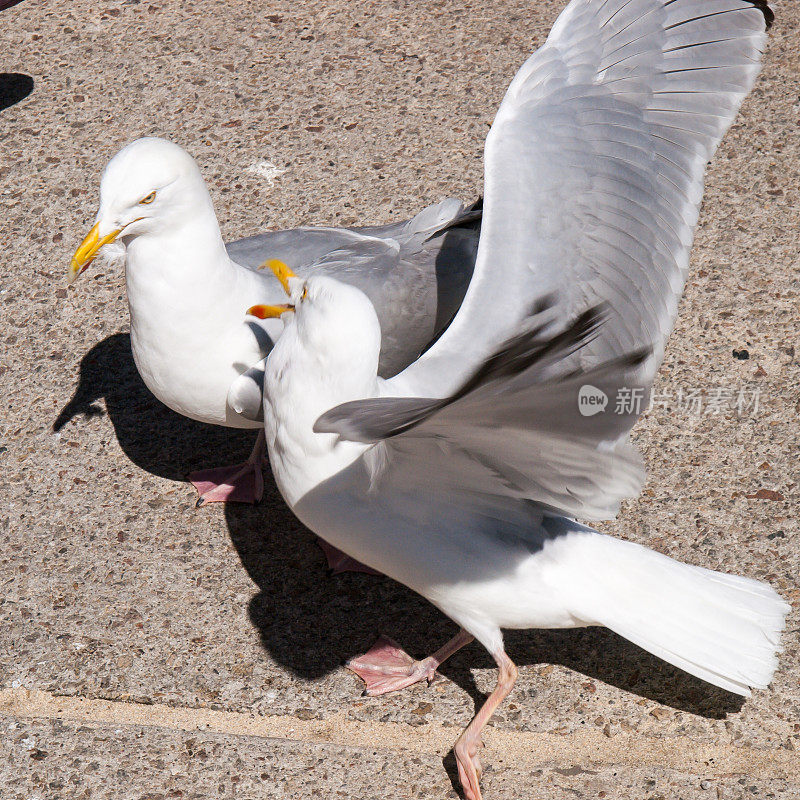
point(415, 272)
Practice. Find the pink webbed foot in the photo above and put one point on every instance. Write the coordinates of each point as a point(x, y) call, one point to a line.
point(341, 562)
point(469, 766)
point(243, 483)
point(388, 668)
point(469, 743)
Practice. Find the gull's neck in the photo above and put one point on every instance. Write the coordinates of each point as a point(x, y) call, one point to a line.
point(187, 303)
point(300, 386)
point(188, 254)
point(180, 279)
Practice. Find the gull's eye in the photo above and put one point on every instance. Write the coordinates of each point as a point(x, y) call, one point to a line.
point(305, 293)
point(145, 201)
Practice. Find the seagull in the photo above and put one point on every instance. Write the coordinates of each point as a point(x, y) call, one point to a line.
point(208, 366)
point(464, 476)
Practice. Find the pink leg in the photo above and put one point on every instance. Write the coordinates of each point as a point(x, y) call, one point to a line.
point(242, 483)
point(466, 748)
point(341, 562)
point(388, 668)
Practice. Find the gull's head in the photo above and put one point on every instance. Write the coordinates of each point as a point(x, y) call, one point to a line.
point(334, 320)
point(151, 185)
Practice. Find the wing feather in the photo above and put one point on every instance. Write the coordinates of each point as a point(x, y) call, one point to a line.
point(593, 180)
point(594, 175)
point(514, 429)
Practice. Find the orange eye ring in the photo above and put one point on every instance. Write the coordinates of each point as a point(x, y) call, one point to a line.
point(145, 201)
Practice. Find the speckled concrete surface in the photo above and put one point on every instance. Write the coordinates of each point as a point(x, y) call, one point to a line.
point(54, 758)
point(114, 586)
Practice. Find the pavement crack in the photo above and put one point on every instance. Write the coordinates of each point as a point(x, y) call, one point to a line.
point(513, 749)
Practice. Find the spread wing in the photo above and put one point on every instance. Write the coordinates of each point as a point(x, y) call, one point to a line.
point(594, 174)
point(518, 427)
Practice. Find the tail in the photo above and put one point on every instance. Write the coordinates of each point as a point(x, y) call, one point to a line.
point(722, 628)
point(447, 214)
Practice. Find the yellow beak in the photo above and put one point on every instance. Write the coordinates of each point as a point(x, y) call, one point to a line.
point(267, 312)
point(282, 272)
point(87, 251)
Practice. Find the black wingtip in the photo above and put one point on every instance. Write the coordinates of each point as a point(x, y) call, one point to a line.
point(638, 357)
point(763, 7)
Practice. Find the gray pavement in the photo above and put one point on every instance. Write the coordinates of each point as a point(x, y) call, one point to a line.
point(114, 588)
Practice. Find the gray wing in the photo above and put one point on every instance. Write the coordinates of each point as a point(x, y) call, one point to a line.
point(401, 286)
point(517, 427)
point(415, 272)
point(297, 247)
point(594, 173)
point(300, 247)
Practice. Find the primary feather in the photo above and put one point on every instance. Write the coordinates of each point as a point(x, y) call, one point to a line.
point(513, 428)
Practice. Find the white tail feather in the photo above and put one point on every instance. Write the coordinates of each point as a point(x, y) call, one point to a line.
point(722, 628)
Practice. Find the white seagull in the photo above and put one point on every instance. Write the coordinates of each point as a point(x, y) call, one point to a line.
point(462, 477)
point(187, 289)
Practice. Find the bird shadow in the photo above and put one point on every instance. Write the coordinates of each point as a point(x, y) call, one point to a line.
point(311, 623)
point(14, 86)
point(154, 438)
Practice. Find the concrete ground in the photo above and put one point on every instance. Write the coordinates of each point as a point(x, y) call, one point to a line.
point(150, 650)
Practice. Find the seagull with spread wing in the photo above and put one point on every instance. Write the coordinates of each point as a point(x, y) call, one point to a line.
point(463, 476)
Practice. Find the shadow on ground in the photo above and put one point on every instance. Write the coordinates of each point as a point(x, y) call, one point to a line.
point(156, 439)
point(14, 86)
point(311, 623)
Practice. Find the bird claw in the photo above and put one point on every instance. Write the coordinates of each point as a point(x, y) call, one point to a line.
point(386, 667)
point(469, 768)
